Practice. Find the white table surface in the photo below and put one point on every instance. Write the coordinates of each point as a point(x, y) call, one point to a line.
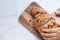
point(10, 28)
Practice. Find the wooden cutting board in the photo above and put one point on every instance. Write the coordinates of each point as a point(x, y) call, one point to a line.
point(30, 23)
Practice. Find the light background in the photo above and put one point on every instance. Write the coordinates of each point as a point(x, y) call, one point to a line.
point(10, 28)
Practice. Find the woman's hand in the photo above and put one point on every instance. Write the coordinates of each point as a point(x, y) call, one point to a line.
point(57, 12)
point(51, 34)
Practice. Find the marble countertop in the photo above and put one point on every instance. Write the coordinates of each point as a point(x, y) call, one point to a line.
point(10, 10)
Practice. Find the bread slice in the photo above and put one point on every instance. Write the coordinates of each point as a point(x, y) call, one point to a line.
point(48, 25)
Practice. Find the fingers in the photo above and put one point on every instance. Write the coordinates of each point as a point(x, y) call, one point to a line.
point(49, 35)
point(53, 38)
point(49, 30)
